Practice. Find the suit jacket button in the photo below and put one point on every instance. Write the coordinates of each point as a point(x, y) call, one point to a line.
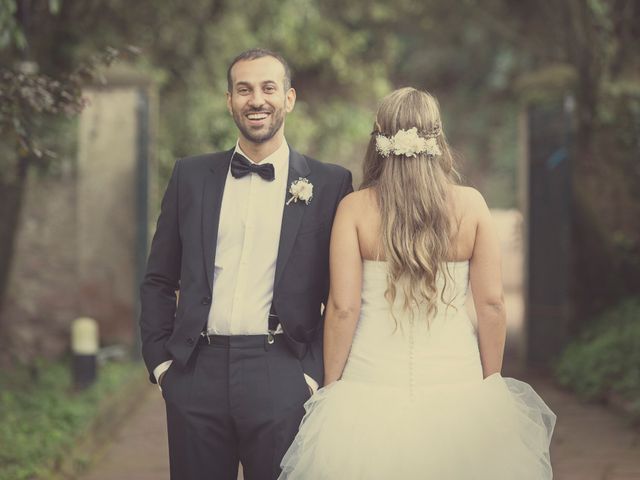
point(206, 301)
point(190, 341)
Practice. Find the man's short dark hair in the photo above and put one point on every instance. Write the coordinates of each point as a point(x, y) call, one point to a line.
point(255, 53)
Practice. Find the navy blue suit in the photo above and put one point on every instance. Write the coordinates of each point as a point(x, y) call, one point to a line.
point(243, 399)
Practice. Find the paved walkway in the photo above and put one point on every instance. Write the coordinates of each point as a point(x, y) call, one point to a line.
point(139, 449)
point(590, 442)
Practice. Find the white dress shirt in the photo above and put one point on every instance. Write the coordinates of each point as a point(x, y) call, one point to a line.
point(246, 252)
point(247, 249)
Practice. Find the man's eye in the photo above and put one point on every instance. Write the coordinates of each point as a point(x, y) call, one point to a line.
point(270, 89)
point(243, 91)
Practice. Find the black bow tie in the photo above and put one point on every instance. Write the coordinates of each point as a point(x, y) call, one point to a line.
point(241, 166)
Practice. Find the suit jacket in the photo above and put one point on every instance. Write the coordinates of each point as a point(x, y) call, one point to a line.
point(183, 251)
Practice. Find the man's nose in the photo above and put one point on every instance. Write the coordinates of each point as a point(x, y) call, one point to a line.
point(257, 99)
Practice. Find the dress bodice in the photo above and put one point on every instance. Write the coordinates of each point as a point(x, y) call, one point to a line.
point(453, 278)
point(413, 349)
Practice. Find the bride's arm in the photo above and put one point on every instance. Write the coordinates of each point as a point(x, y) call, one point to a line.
point(486, 285)
point(343, 305)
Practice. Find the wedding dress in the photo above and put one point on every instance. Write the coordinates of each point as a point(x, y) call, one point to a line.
point(412, 402)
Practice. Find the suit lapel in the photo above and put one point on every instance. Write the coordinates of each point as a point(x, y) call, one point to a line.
point(211, 202)
point(292, 214)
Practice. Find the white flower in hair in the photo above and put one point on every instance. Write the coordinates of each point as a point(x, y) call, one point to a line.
point(432, 148)
point(407, 142)
point(383, 145)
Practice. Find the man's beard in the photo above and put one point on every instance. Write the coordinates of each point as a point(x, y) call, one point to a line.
point(277, 119)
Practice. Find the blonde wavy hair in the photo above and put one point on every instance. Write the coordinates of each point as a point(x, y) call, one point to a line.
point(417, 229)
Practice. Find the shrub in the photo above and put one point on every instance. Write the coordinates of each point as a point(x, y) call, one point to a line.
point(605, 359)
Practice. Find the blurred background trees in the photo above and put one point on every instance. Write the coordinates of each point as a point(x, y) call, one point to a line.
point(483, 60)
point(490, 63)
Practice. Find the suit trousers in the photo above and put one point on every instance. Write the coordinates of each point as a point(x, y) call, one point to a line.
point(239, 399)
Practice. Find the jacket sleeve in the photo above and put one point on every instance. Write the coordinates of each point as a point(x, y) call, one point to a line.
point(161, 280)
point(346, 187)
point(312, 363)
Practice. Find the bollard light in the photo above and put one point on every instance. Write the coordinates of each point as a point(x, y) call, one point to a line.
point(84, 347)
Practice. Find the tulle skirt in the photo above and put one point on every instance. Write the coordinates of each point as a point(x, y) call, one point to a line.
point(492, 429)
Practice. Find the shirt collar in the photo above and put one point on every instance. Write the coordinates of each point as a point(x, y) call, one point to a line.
point(279, 158)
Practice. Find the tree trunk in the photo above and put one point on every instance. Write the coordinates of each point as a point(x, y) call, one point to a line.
point(12, 188)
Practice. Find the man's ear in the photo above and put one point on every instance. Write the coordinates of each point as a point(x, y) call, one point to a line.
point(229, 103)
point(290, 100)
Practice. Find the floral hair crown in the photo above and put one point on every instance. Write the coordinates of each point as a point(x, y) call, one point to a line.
point(410, 142)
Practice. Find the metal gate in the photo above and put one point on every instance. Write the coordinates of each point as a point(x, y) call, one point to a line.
point(547, 214)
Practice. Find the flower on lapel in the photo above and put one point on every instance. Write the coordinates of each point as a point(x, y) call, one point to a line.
point(301, 189)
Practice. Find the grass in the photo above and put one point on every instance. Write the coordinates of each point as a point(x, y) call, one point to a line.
point(41, 416)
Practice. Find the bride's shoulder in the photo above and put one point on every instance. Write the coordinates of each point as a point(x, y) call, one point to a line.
point(467, 199)
point(358, 200)
point(358, 206)
point(470, 207)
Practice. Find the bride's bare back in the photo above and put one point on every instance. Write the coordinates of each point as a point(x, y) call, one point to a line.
point(356, 237)
point(464, 212)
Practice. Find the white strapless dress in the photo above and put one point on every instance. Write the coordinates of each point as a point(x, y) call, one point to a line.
point(412, 403)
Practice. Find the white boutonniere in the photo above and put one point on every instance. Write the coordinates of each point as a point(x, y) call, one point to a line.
point(301, 189)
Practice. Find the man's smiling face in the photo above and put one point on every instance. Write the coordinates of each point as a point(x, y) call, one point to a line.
point(258, 100)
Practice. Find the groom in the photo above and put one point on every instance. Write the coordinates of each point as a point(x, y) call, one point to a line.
point(238, 270)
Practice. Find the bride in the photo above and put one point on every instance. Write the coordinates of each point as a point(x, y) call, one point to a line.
point(412, 389)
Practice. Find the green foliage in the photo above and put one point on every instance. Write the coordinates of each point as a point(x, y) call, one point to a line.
point(606, 358)
point(41, 416)
point(28, 97)
point(344, 55)
point(480, 59)
point(337, 78)
point(546, 84)
point(10, 33)
point(607, 204)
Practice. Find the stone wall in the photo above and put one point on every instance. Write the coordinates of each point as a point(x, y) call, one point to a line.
point(106, 213)
point(41, 298)
point(78, 243)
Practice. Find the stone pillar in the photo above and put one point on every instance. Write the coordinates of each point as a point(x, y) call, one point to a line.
point(112, 202)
